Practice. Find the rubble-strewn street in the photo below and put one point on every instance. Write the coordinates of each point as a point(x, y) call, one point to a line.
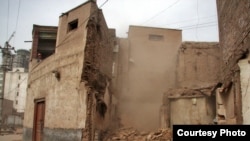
point(129, 71)
point(131, 134)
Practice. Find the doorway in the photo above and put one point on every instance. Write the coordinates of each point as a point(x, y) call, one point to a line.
point(39, 112)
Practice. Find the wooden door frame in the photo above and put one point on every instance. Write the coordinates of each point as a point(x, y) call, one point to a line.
point(36, 101)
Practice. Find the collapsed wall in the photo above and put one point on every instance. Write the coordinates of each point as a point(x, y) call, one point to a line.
point(97, 74)
point(234, 29)
point(192, 101)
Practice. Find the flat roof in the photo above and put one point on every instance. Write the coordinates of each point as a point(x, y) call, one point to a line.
point(154, 27)
point(77, 7)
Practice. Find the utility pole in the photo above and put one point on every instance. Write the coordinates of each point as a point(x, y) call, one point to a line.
point(7, 59)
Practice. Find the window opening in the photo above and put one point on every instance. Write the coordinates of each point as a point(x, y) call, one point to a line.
point(155, 37)
point(73, 25)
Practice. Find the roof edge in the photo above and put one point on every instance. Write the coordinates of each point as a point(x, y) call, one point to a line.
point(89, 1)
point(154, 27)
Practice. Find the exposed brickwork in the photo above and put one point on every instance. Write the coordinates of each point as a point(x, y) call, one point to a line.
point(80, 99)
point(234, 29)
point(97, 70)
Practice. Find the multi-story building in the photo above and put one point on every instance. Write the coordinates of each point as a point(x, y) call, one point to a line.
point(21, 59)
point(15, 88)
point(69, 95)
point(15, 83)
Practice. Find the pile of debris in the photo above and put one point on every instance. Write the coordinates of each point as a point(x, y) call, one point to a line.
point(131, 134)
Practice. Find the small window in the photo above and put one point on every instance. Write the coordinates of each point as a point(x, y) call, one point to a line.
point(73, 25)
point(19, 77)
point(17, 94)
point(18, 85)
point(16, 102)
point(155, 37)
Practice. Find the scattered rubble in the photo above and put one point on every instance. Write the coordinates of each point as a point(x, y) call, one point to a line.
point(131, 134)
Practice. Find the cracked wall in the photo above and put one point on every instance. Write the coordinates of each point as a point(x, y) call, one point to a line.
point(234, 29)
point(198, 64)
point(192, 100)
point(75, 80)
point(97, 73)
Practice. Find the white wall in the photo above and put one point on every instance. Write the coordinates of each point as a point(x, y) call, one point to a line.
point(15, 88)
point(245, 88)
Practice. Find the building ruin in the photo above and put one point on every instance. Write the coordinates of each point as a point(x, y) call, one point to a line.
point(69, 95)
point(90, 78)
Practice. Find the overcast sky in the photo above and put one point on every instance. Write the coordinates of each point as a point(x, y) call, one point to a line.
point(196, 18)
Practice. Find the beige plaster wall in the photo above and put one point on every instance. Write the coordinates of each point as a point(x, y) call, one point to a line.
point(65, 98)
point(198, 64)
point(245, 91)
point(196, 110)
point(150, 71)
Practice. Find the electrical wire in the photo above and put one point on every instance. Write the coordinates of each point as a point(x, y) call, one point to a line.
point(157, 14)
point(18, 11)
point(197, 11)
point(17, 19)
point(103, 3)
point(198, 25)
point(201, 26)
point(8, 9)
point(189, 20)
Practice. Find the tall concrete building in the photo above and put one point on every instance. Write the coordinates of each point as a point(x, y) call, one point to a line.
point(15, 88)
point(21, 59)
point(15, 82)
point(147, 68)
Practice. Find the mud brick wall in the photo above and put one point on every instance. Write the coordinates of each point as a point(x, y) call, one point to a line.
point(234, 29)
point(97, 72)
point(75, 98)
point(198, 64)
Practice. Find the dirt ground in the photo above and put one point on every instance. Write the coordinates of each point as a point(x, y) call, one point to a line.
point(122, 134)
point(131, 134)
point(11, 135)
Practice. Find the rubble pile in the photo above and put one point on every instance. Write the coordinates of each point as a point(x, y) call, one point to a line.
point(131, 134)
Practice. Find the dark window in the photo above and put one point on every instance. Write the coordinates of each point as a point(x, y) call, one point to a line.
point(19, 77)
point(18, 85)
point(17, 94)
point(16, 102)
point(73, 25)
point(155, 37)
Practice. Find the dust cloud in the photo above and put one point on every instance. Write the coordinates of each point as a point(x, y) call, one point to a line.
point(150, 74)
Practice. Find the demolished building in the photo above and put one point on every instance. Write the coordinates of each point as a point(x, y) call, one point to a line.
point(69, 94)
point(225, 96)
point(192, 100)
point(234, 32)
point(72, 91)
